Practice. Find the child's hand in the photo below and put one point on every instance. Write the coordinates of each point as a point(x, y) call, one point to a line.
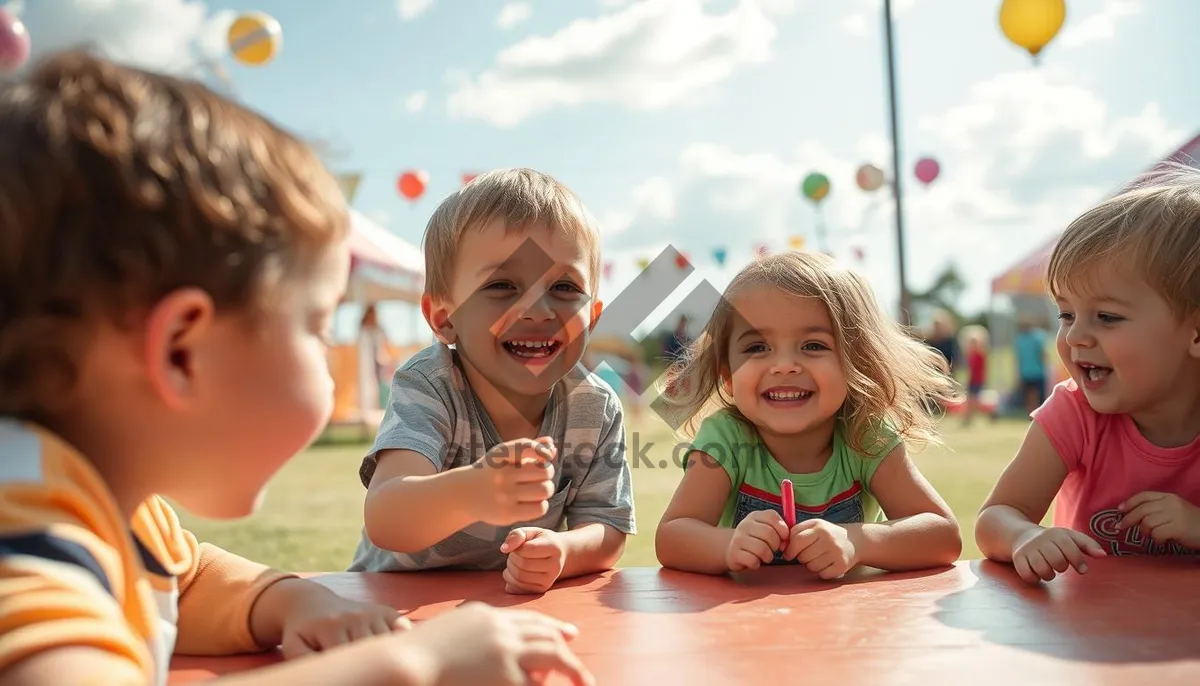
point(1163, 517)
point(535, 559)
point(755, 540)
point(1046, 552)
point(515, 481)
point(824, 548)
point(478, 644)
point(323, 620)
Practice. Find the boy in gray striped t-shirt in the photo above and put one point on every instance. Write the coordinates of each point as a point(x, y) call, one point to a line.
point(498, 450)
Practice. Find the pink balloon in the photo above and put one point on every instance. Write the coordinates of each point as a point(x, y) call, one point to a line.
point(927, 170)
point(14, 43)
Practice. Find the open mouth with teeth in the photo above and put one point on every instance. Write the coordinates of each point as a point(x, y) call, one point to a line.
point(1093, 373)
point(786, 395)
point(532, 349)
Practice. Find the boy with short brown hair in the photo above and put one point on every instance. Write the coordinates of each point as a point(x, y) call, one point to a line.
point(169, 265)
point(498, 450)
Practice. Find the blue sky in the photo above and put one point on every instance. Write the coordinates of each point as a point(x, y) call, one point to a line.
point(691, 122)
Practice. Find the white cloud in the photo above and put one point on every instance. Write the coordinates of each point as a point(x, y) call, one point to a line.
point(411, 9)
point(654, 198)
point(1021, 156)
point(168, 35)
point(513, 13)
point(647, 55)
point(1100, 26)
point(415, 102)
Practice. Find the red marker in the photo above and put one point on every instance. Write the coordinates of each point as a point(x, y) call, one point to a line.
point(789, 504)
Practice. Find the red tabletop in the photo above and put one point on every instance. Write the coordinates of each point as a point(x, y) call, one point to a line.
point(1132, 620)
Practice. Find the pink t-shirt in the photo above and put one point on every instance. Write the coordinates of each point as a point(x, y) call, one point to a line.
point(1108, 460)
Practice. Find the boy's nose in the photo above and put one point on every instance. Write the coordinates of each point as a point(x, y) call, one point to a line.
point(538, 308)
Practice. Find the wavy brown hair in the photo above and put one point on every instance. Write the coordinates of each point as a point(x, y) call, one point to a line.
point(118, 186)
point(891, 377)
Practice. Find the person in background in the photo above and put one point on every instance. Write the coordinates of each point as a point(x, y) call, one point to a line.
point(975, 345)
point(374, 362)
point(942, 338)
point(1030, 349)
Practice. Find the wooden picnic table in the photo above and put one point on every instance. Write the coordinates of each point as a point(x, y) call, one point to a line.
point(1131, 620)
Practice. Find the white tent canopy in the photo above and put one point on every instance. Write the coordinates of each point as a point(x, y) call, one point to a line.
point(384, 266)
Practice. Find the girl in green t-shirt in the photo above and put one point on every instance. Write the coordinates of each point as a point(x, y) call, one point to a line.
point(799, 376)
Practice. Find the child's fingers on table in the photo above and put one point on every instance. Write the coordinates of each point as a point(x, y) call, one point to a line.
point(1075, 557)
point(1056, 557)
point(1039, 565)
point(294, 646)
point(764, 532)
point(531, 565)
point(549, 655)
point(809, 549)
point(543, 548)
point(1087, 544)
point(1024, 565)
point(759, 547)
point(382, 625)
point(519, 582)
point(742, 559)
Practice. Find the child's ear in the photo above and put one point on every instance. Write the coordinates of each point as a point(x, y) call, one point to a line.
point(175, 332)
point(1194, 348)
point(726, 380)
point(597, 309)
point(437, 315)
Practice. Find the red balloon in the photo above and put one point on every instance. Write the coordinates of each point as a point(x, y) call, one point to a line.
point(14, 43)
point(412, 184)
point(468, 177)
point(927, 170)
point(858, 253)
point(681, 261)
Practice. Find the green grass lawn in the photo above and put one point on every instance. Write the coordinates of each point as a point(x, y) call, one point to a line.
point(312, 517)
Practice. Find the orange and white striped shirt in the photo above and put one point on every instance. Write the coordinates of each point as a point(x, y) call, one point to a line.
point(73, 573)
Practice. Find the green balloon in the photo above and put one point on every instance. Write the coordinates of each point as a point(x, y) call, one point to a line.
point(815, 186)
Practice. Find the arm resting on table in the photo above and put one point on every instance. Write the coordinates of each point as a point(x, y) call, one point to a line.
point(688, 538)
point(1021, 497)
point(410, 506)
point(921, 530)
point(591, 547)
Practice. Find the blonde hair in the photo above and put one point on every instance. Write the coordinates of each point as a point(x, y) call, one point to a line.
point(891, 377)
point(118, 186)
point(518, 198)
point(1152, 228)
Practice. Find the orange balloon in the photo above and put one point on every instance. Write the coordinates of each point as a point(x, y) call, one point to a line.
point(412, 184)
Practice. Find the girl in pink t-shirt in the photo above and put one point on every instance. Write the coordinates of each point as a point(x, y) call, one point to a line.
point(1117, 446)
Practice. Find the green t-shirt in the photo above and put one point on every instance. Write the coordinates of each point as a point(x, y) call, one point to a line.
point(840, 493)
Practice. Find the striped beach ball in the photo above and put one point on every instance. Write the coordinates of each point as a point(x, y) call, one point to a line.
point(255, 38)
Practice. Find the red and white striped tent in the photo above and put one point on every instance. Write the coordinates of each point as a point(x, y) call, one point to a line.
point(384, 267)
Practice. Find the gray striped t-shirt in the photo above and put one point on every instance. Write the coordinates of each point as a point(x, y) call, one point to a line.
point(433, 411)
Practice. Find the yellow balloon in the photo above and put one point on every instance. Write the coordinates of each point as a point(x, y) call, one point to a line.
point(1032, 24)
point(796, 242)
point(255, 38)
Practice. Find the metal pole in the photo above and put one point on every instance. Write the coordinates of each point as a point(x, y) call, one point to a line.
point(897, 194)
